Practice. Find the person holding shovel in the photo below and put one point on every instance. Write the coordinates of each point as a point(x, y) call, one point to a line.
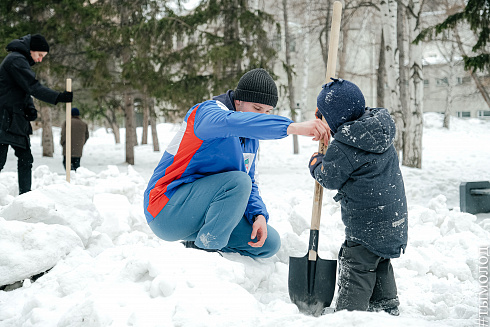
point(204, 191)
point(18, 84)
point(362, 164)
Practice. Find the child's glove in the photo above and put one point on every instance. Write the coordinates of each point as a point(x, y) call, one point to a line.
point(315, 160)
point(318, 114)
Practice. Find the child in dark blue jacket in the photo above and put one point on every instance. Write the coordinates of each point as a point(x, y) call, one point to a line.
point(362, 164)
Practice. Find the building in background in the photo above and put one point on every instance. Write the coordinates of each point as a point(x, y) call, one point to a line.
point(446, 83)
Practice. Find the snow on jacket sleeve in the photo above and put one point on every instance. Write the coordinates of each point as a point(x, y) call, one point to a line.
point(214, 121)
point(335, 169)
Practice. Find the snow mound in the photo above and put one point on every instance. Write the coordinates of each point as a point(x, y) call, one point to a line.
point(61, 204)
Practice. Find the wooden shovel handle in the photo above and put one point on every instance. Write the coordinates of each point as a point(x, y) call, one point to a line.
point(333, 48)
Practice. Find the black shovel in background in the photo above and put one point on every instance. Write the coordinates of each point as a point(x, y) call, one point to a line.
point(311, 282)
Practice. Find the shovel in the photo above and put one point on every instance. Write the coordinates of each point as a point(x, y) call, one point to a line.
point(311, 281)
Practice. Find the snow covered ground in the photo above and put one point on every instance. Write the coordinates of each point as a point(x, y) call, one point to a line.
point(108, 269)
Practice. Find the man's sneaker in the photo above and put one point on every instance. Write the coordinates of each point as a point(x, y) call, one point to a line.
point(192, 245)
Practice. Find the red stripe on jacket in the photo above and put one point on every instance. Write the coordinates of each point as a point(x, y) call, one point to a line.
point(188, 146)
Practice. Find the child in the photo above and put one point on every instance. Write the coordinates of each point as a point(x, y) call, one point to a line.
point(362, 164)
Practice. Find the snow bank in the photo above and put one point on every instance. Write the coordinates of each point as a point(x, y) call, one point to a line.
point(27, 249)
point(108, 269)
point(61, 204)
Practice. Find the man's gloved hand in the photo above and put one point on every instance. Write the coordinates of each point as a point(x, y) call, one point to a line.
point(30, 113)
point(65, 96)
point(315, 160)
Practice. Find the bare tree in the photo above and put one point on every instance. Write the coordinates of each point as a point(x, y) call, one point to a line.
point(380, 80)
point(306, 56)
point(449, 53)
point(108, 108)
point(127, 96)
point(467, 20)
point(47, 135)
point(389, 19)
point(146, 117)
point(153, 123)
point(401, 40)
point(414, 118)
point(450, 46)
point(46, 122)
point(289, 71)
point(324, 33)
point(349, 13)
point(130, 126)
point(345, 29)
point(474, 76)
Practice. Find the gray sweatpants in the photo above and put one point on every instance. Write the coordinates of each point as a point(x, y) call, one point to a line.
point(210, 211)
point(366, 281)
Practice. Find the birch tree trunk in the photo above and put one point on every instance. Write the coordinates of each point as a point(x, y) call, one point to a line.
point(449, 96)
point(412, 151)
point(289, 72)
point(380, 80)
point(449, 57)
point(403, 79)
point(388, 10)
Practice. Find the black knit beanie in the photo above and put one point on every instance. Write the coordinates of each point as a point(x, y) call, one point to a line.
point(39, 43)
point(257, 86)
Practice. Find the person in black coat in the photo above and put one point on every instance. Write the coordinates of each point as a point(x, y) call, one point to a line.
point(18, 84)
point(362, 164)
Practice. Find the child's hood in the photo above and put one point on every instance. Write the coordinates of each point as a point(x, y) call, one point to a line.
point(372, 132)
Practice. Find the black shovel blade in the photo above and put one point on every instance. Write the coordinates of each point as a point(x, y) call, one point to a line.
point(311, 283)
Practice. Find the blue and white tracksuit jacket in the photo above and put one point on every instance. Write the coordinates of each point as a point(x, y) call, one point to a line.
point(213, 138)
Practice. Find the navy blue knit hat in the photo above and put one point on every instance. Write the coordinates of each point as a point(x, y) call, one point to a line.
point(340, 101)
point(75, 112)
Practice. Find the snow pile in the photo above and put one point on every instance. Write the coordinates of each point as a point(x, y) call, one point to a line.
point(61, 204)
point(108, 269)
